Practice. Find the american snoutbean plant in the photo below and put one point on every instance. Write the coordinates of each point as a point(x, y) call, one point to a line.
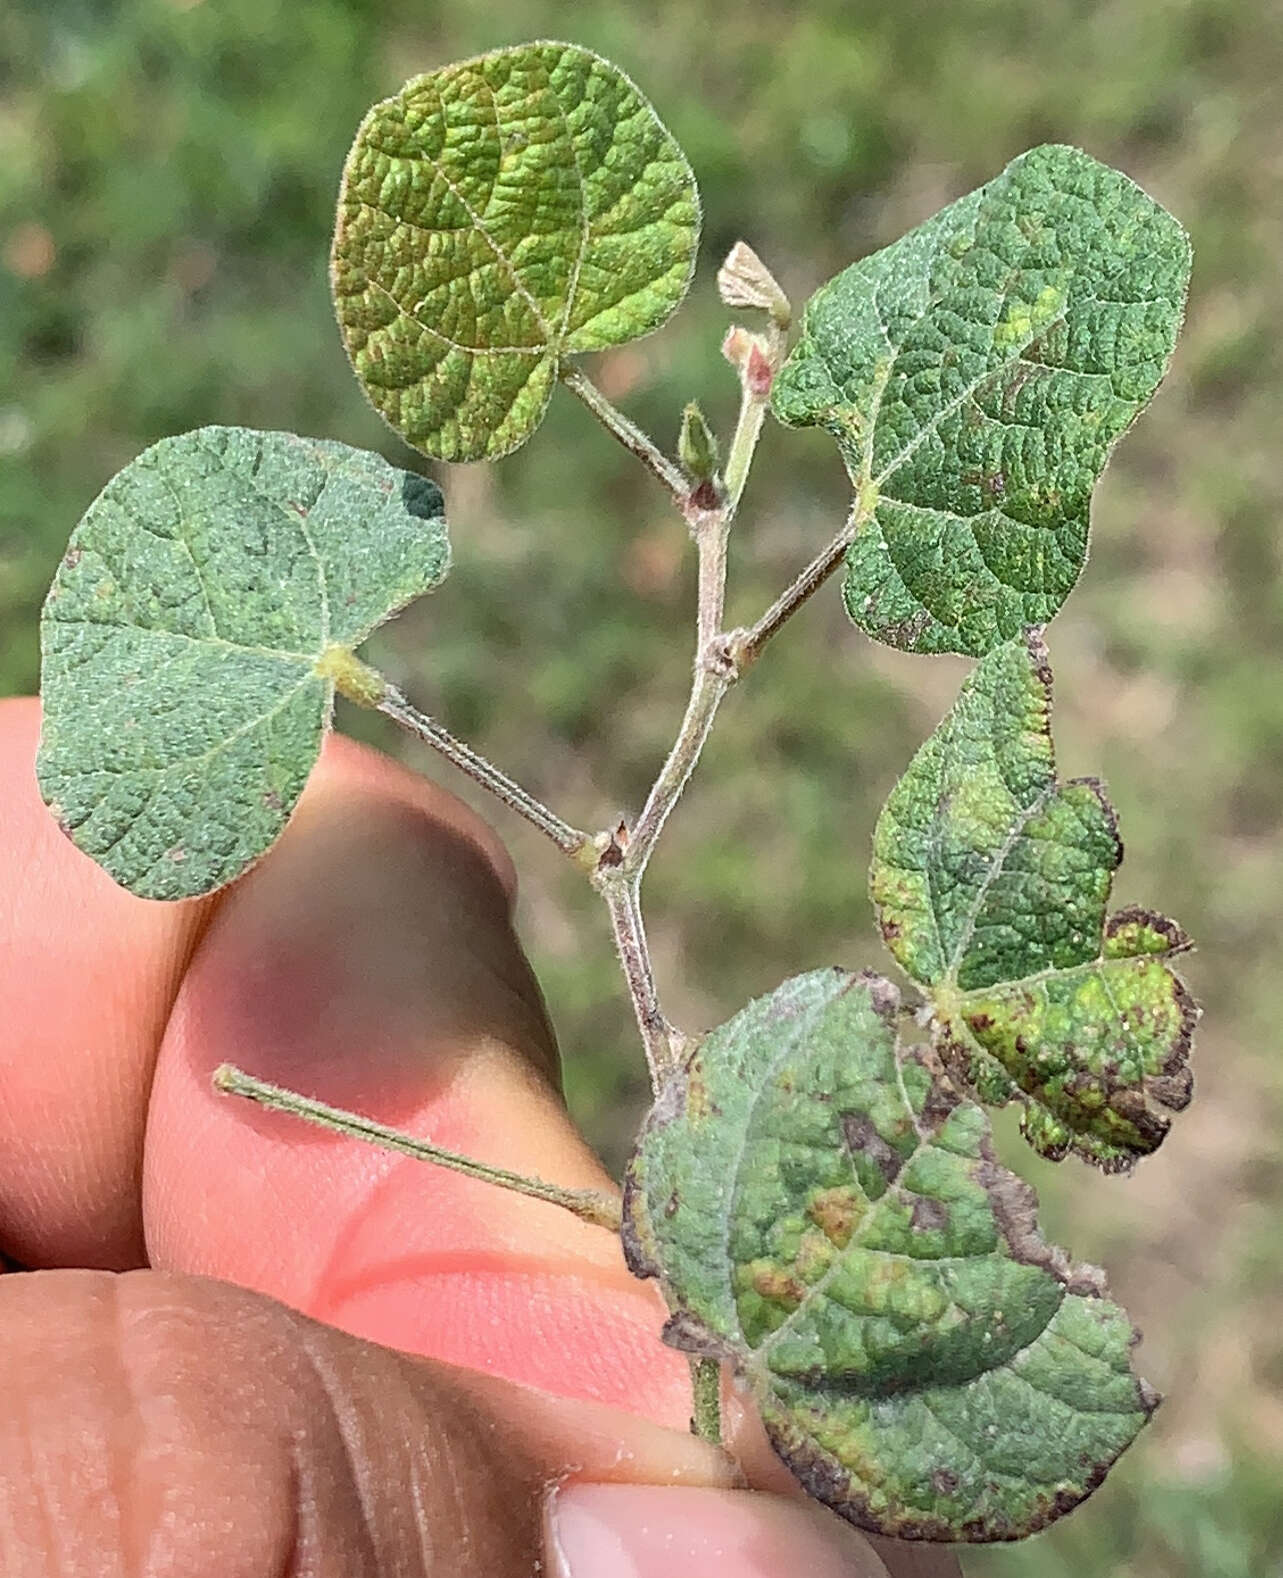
point(815, 1186)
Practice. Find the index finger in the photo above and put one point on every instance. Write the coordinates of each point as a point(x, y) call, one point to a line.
point(89, 975)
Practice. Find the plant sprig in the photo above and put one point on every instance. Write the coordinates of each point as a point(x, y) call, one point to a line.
point(815, 1186)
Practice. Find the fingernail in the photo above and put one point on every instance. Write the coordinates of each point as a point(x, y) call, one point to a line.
point(648, 1531)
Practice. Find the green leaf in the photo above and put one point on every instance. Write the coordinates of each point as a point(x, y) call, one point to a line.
point(976, 375)
point(192, 635)
point(991, 879)
point(827, 1214)
point(495, 217)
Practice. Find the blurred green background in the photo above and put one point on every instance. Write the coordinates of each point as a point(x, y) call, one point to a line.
point(166, 192)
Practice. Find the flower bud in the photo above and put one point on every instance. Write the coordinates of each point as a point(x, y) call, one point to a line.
point(696, 445)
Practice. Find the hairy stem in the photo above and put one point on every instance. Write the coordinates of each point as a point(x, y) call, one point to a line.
point(746, 645)
point(706, 1408)
point(714, 672)
point(662, 1042)
point(713, 677)
point(590, 1205)
point(568, 839)
point(711, 533)
point(627, 432)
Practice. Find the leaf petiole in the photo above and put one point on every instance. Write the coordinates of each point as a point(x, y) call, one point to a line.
point(627, 432)
point(589, 1205)
point(570, 840)
point(746, 645)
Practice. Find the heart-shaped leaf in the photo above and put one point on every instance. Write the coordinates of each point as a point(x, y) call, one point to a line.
point(192, 634)
point(976, 375)
point(827, 1214)
point(495, 217)
point(991, 880)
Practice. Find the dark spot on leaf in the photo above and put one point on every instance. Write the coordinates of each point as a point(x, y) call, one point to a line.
point(1015, 381)
point(944, 1481)
point(1149, 920)
point(1174, 1091)
point(863, 1139)
point(941, 1101)
point(929, 1215)
point(1014, 1206)
point(884, 995)
point(688, 1333)
point(1039, 656)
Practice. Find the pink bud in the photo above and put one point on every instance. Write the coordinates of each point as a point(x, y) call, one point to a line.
point(759, 375)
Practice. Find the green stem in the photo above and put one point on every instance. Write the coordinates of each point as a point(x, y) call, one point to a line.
point(739, 457)
point(706, 1410)
point(589, 1205)
point(570, 840)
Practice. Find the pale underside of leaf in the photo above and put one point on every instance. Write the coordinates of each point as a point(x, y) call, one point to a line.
point(183, 707)
point(976, 375)
point(992, 880)
point(495, 217)
point(826, 1213)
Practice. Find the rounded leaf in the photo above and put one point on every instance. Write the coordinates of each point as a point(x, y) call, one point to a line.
point(191, 636)
point(495, 217)
point(976, 375)
point(826, 1214)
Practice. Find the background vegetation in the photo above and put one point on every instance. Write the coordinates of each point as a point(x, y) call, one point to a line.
point(166, 198)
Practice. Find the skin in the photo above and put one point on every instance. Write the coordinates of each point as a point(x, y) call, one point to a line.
point(244, 1347)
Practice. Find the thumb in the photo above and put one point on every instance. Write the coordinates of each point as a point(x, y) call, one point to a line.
point(160, 1423)
point(370, 961)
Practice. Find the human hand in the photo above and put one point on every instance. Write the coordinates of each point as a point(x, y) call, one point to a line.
point(234, 1403)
